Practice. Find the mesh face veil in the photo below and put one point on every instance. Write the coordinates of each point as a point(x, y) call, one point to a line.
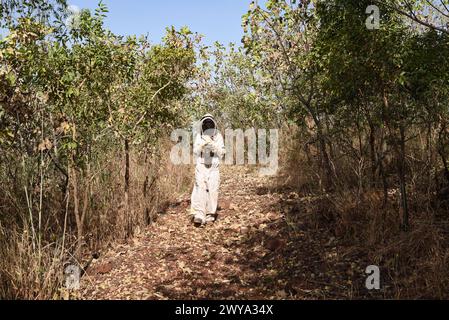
point(208, 125)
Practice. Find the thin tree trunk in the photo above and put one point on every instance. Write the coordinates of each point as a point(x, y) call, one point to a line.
point(400, 159)
point(325, 161)
point(429, 160)
point(76, 205)
point(380, 164)
point(360, 166)
point(127, 204)
point(402, 180)
point(441, 151)
point(373, 155)
point(73, 178)
point(146, 213)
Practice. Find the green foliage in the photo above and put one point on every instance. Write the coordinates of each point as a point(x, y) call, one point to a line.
point(341, 82)
point(232, 89)
point(93, 81)
point(72, 95)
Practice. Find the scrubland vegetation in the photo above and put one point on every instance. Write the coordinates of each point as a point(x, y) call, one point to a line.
point(86, 116)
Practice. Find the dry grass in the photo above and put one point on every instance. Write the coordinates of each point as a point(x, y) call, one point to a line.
point(30, 271)
point(414, 263)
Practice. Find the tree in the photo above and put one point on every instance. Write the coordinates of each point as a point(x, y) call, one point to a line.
point(279, 38)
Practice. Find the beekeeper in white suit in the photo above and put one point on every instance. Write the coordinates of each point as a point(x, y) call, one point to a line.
point(208, 150)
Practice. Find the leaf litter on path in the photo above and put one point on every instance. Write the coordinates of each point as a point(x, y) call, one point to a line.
point(248, 253)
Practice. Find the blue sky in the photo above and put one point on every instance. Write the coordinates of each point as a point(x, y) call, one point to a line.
point(217, 20)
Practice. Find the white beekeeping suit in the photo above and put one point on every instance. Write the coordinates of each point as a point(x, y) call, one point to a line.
point(208, 149)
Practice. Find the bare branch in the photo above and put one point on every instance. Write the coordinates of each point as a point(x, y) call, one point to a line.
point(437, 9)
point(411, 15)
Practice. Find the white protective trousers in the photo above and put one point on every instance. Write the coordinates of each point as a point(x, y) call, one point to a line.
point(205, 191)
point(204, 198)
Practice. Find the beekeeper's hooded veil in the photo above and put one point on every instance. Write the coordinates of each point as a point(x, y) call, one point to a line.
point(207, 124)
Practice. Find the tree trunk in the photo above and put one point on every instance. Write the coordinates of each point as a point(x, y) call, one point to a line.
point(441, 151)
point(402, 180)
point(76, 201)
point(430, 161)
point(128, 217)
point(373, 155)
point(80, 215)
point(325, 162)
point(146, 212)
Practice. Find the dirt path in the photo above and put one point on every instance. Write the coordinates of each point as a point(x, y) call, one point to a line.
point(251, 252)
